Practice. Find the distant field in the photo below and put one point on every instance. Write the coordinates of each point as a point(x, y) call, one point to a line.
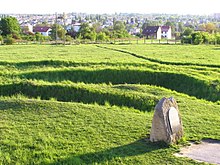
point(196, 54)
point(93, 104)
point(199, 54)
point(76, 53)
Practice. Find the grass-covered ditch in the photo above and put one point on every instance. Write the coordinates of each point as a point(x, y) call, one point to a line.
point(71, 92)
point(179, 82)
point(92, 104)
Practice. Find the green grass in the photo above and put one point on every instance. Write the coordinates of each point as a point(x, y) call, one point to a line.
point(48, 132)
point(76, 53)
point(93, 104)
point(197, 54)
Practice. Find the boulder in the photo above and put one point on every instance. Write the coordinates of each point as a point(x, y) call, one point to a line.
point(167, 123)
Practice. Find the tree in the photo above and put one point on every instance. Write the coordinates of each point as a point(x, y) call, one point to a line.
point(69, 38)
point(186, 39)
point(57, 31)
point(217, 37)
point(38, 37)
point(86, 32)
point(210, 27)
point(118, 26)
point(151, 23)
point(28, 37)
point(197, 38)
point(202, 27)
point(168, 23)
point(106, 31)
point(180, 27)
point(186, 36)
point(101, 36)
point(188, 31)
point(9, 40)
point(207, 37)
point(119, 30)
point(9, 26)
point(97, 27)
point(177, 35)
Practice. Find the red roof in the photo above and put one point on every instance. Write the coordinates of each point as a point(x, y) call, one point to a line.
point(41, 29)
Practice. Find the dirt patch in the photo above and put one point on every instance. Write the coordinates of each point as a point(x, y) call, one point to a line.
point(206, 151)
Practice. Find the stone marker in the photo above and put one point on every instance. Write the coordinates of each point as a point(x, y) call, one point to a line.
point(166, 124)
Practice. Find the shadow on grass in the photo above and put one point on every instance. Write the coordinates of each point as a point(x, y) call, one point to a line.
point(60, 63)
point(53, 63)
point(216, 48)
point(136, 148)
point(6, 105)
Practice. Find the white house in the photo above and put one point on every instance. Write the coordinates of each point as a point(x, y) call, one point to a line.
point(152, 32)
point(157, 32)
point(166, 32)
point(44, 30)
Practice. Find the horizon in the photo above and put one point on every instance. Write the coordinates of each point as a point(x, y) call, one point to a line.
point(193, 7)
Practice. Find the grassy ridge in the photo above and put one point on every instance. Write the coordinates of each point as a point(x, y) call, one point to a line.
point(71, 92)
point(171, 80)
point(116, 88)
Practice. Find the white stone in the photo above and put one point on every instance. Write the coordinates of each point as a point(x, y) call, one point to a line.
point(174, 120)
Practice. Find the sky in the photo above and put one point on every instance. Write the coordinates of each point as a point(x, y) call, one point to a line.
point(200, 7)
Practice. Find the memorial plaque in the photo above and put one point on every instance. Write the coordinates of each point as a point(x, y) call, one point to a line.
point(174, 120)
point(166, 123)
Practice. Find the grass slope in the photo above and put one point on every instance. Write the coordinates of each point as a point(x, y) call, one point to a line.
point(48, 132)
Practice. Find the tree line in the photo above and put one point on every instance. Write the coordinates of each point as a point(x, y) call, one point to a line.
point(190, 36)
point(10, 31)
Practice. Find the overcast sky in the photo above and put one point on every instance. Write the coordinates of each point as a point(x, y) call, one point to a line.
point(111, 6)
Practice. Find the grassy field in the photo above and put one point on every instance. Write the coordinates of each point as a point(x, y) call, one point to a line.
point(93, 104)
point(175, 54)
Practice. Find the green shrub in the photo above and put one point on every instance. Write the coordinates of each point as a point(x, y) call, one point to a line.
point(197, 38)
point(9, 40)
point(186, 39)
point(1, 39)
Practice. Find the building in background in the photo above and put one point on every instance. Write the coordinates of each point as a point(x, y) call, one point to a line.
point(44, 30)
point(166, 32)
point(152, 32)
point(157, 32)
point(217, 16)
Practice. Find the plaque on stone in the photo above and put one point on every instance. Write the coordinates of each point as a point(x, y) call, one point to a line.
point(174, 120)
point(166, 124)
